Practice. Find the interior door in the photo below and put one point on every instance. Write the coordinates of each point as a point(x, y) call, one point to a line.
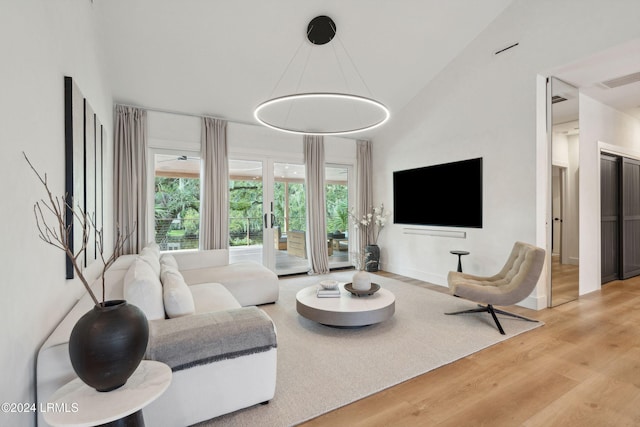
point(610, 217)
point(630, 204)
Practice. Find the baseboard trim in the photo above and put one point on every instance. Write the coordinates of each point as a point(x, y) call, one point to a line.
point(434, 279)
point(534, 302)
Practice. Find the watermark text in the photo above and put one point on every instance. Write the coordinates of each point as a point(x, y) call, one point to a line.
point(21, 407)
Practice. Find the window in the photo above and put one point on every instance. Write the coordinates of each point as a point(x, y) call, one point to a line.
point(177, 201)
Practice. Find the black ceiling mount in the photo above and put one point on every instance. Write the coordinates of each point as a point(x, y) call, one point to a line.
point(321, 30)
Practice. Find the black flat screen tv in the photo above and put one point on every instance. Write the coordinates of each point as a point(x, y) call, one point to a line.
point(448, 194)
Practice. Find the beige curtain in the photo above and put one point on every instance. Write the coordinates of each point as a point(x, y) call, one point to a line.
point(364, 190)
point(214, 185)
point(316, 218)
point(130, 176)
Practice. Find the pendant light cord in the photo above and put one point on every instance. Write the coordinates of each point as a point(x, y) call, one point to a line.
point(285, 70)
point(353, 65)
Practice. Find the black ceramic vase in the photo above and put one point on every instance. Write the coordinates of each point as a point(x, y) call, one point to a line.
point(108, 343)
point(372, 257)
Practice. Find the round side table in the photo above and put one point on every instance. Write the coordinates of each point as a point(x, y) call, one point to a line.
point(459, 253)
point(86, 407)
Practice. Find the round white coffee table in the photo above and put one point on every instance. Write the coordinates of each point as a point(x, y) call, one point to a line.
point(348, 310)
point(83, 406)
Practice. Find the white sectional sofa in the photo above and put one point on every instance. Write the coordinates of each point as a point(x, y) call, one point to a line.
point(222, 348)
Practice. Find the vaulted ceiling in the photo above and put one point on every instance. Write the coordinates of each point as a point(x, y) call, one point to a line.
point(222, 58)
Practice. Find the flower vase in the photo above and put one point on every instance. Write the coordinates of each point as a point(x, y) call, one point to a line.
point(372, 257)
point(108, 343)
point(361, 281)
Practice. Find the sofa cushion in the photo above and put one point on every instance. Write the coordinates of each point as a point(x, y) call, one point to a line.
point(151, 257)
point(249, 282)
point(153, 246)
point(177, 297)
point(212, 297)
point(168, 260)
point(143, 289)
point(194, 260)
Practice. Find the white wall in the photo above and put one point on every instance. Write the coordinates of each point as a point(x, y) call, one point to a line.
point(560, 149)
point(600, 127)
point(483, 105)
point(41, 42)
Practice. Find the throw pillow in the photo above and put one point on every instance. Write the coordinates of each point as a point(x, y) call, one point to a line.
point(149, 256)
point(143, 289)
point(178, 300)
point(168, 260)
point(153, 246)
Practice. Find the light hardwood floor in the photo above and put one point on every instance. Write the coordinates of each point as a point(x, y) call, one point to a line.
point(582, 368)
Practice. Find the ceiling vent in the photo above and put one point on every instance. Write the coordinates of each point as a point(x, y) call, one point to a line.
point(557, 98)
point(621, 81)
point(504, 49)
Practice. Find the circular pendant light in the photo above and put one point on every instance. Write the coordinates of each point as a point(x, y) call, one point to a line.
point(322, 112)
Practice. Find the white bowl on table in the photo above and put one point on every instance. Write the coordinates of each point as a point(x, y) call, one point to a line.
point(329, 284)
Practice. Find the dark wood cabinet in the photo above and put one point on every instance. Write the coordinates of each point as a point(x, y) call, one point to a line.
point(630, 206)
point(610, 217)
point(620, 217)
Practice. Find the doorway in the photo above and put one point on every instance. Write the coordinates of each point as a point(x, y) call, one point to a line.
point(564, 233)
point(337, 197)
point(267, 214)
point(290, 254)
point(268, 218)
point(620, 217)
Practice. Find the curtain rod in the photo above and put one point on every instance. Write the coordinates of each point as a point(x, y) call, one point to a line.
point(180, 113)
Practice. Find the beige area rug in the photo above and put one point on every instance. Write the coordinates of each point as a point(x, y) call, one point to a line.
point(321, 368)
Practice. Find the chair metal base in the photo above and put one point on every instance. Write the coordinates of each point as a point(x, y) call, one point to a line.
point(490, 309)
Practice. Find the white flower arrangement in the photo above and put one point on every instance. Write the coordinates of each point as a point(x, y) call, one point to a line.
point(375, 220)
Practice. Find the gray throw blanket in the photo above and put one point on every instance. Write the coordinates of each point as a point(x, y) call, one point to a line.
point(204, 338)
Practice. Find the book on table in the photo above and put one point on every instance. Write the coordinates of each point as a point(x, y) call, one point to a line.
point(328, 293)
